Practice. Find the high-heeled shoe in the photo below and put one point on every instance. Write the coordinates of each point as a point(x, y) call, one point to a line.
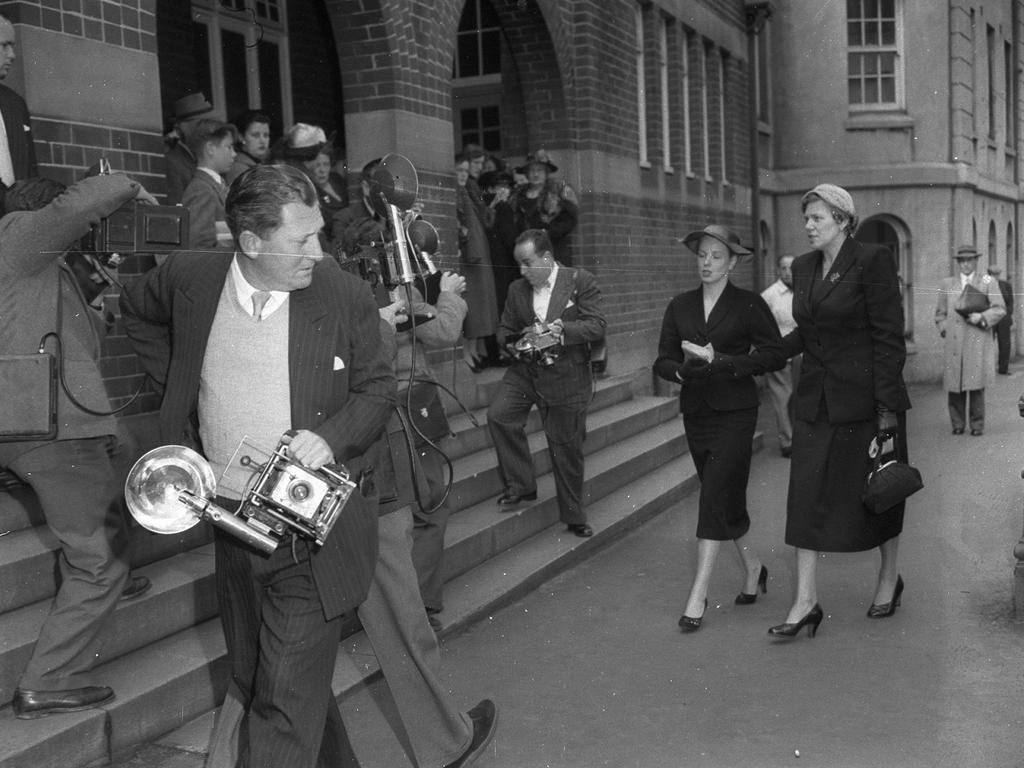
point(691, 624)
point(762, 583)
point(885, 610)
point(811, 621)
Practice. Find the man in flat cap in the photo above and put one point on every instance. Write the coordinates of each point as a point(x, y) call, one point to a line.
point(969, 306)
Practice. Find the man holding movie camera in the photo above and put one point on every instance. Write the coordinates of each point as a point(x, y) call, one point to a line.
point(552, 316)
point(76, 469)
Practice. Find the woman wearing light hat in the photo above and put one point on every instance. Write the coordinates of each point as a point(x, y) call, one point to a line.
point(849, 327)
point(706, 340)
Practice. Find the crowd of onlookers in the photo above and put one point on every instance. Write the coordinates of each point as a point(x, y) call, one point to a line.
point(495, 202)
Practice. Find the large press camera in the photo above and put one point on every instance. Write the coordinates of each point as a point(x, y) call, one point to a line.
point(540, 344)
point(170, 489)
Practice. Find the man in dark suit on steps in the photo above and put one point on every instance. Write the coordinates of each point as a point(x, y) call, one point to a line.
point(568, 300)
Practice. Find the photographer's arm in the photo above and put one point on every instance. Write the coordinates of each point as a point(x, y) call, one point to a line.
point(449, 312)
point(146, 316)
point(34, 239)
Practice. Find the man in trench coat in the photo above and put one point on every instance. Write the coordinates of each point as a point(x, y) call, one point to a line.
point(969, 348)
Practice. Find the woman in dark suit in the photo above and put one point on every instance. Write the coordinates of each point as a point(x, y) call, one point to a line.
point(849, 327)
point(706, 344)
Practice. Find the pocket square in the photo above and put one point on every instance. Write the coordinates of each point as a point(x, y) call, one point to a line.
point(26, 128)
point(338, 363)
point(570, 303)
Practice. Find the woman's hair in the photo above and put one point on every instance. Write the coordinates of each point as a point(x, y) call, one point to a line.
point(847, 222)
point(247, 118)
point(256, 198)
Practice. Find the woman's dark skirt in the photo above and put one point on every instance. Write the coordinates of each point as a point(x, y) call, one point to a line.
point(721, 445)
point(830, 465)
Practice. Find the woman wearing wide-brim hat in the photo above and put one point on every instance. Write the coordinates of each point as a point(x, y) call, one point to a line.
point(849, 327)
point(714, 340)
point(546, 203)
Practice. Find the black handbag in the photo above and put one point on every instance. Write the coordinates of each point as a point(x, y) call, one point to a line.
point(971, 300)
point(889, 482)
point(422, 406)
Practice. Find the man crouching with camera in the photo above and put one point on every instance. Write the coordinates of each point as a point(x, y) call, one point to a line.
point(273, 343)
point(551, 318)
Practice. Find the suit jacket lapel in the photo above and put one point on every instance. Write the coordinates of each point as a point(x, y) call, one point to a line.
point(311, 345)
point(560, 293)
point(840, 266)
point(722, 307)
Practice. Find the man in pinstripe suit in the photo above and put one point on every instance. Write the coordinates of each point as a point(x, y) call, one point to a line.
point(270, 340)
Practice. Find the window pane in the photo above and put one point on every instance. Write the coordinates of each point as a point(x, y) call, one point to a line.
point(871, 9)
point(270, 85)
point(889, 90)
point(870, 92)
point(470, 119)
point(856, 92)
point(888, 61)
point(888, 33)
point(492, 141)
point(888, 9)
point(201, 56)
point(236, 81)
point(853, 9)
point(491, 43)
point(469, 56)
point(854, 34)
point(490, 116)
point(854, 64)
point(870, 65)
point(468, 20)
point(871, 34)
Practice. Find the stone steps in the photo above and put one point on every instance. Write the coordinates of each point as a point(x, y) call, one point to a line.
point(166, 650)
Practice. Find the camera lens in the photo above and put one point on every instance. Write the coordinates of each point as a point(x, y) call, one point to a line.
point(299, 491)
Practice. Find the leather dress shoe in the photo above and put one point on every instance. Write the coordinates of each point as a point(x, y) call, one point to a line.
point(509, 499)
point(581, 529)
point(29, 705)
point(485, 722)
point(977, 432)
point(137, 586)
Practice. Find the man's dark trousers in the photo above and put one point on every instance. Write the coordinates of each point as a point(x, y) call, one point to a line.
point(561, 394)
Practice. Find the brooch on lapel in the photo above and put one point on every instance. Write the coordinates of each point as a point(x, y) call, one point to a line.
point(834, 279)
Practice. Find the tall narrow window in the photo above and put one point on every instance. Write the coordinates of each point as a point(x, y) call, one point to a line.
point(990, 40)
point(705, 133)
point(242, 47)
point(763, 75)
point(1008, 92)
point(477, 91)
point(874, 37)
point(723, 144)
point(641, 88)
point(666, 123)
point(685, 85)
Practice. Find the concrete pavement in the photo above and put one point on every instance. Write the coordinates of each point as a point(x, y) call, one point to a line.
point(590, 670)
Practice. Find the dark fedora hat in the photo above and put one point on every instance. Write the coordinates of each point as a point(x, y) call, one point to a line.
point(966, 252)
point(191, 105)
point(724, 235)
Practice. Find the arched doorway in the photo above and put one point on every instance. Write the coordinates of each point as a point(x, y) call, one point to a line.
point(894, 235)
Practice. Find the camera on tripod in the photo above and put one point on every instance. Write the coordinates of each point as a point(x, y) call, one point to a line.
point(540, 344)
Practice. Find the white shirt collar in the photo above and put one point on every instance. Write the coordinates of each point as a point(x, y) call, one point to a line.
point(244, 291)
point(212, 173)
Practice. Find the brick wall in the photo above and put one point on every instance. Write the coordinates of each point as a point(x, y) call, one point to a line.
point(129, 24)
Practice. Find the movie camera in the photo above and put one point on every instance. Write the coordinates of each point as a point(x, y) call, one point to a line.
point(401, 253)
point(540, 344)
point(171, 488)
